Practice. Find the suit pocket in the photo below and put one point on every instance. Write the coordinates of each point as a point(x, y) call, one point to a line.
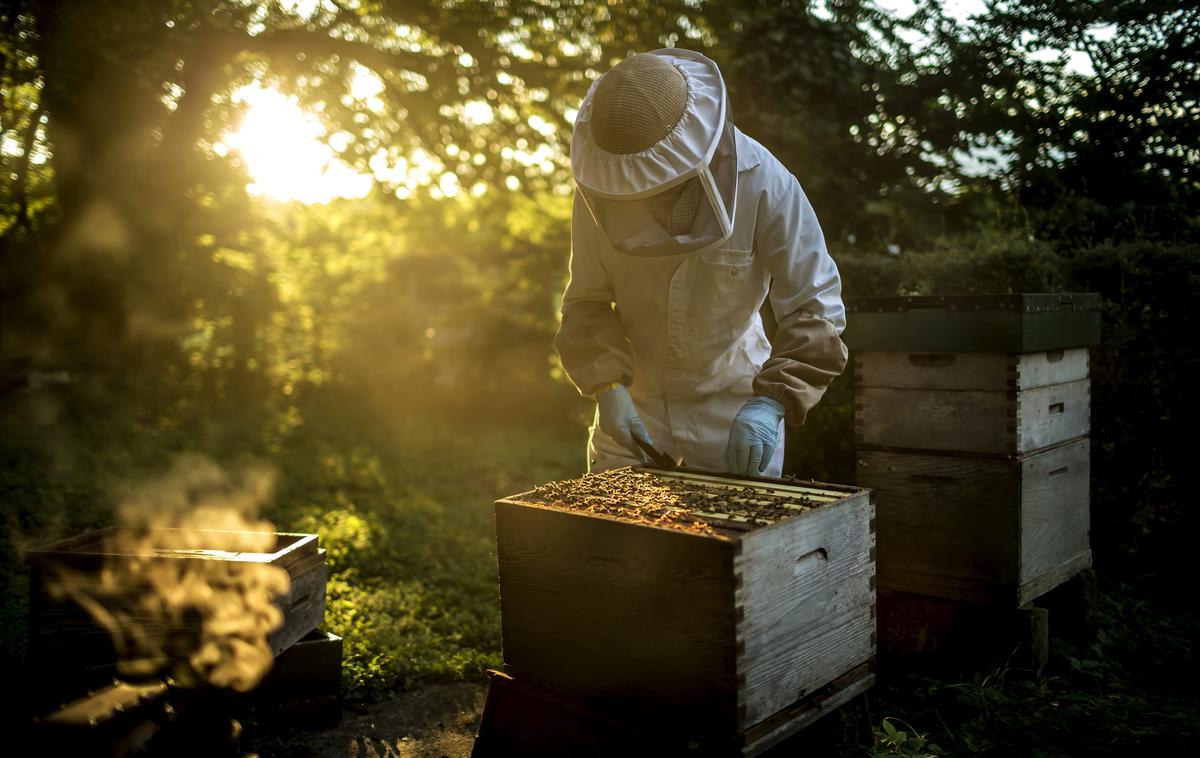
point(728, 287)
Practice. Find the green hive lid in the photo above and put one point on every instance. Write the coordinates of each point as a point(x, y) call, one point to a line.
point(1016, 323)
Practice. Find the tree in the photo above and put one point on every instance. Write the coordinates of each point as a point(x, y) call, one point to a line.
point(843, 96)
point(126, 101)
point(1096, 106)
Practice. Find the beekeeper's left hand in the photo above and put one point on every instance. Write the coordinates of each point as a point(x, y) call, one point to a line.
point(753, 436)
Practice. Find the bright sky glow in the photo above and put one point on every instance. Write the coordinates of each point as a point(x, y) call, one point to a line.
point(477, 113)
point(289, 156)
point(1077, 61)
point(285, 153)
point(959, 10)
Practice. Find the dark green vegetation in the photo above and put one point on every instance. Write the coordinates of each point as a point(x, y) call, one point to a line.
point(390, 356)
point(1131, 691)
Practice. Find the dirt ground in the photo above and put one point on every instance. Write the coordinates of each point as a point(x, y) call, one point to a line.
point(432, 722)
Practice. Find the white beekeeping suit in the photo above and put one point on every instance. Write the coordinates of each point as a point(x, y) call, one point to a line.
point(682, 225)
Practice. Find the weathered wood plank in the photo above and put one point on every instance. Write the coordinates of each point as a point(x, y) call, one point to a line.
point(1049, 415)
point(792, 720)
point(947, 525)
point(935, 419)
point(806, 599)
point(997, 423)
point(303, 607)
point(1052, 367)
point(1055, 490)
point(978, 528)
point(990, 372)
point(1055, 577)
point(941, 371)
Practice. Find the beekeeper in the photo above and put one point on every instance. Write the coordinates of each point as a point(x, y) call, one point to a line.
point(682, 226)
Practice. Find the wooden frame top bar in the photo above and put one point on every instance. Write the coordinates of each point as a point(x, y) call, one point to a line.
point(94, 544)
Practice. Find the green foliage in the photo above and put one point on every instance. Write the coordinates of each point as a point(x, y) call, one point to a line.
point(890, 740)
point(978, 263)
point(405, 510)
point(840, 97)
point(1143, 373)
point(1102, 150)
point(1115, 696)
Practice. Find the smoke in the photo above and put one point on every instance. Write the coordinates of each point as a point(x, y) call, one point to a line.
point(183, 587)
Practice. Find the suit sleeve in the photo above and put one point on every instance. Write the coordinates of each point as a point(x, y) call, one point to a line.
point(591, 341)
point(806, 294)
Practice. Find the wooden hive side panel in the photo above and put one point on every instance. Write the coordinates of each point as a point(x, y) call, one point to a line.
point(1050, 415)
point(948, 524)
point(925, 419)
point(806, 601)
point(639, 616)
point(303, 605)
point(936, 371)
point(988, 372)
point(1055, 505)
point(1052, 367)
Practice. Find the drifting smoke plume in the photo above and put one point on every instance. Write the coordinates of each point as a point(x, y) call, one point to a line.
point(182, 587)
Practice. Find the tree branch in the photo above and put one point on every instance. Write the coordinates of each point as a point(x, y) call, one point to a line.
point(291, 41)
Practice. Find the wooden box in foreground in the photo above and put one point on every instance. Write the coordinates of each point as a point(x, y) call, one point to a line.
point(740, 603)
point(84, 589)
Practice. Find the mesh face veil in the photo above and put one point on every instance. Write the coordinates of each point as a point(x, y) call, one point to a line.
point(654, 154)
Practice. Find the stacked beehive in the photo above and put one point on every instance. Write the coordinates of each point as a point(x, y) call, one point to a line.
point(701, 612)
point(972, 416)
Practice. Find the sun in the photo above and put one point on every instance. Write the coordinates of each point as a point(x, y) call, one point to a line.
point(285, 153)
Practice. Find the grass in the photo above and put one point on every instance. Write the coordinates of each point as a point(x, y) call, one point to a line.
point(405, 512)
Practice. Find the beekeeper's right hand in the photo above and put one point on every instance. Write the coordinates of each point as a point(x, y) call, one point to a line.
point(620, 420)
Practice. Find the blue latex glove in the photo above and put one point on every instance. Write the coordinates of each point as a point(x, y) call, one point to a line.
point(620, 420)
point(753, 436)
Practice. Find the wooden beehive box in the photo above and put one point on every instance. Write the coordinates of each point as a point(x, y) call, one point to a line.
point(740, 599)
point(64, 634)
point(971, 420)
point(993, 403)
point(988, 374)
point(993, 529)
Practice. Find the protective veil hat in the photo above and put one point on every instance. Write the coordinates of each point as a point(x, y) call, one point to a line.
point(654, 154)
